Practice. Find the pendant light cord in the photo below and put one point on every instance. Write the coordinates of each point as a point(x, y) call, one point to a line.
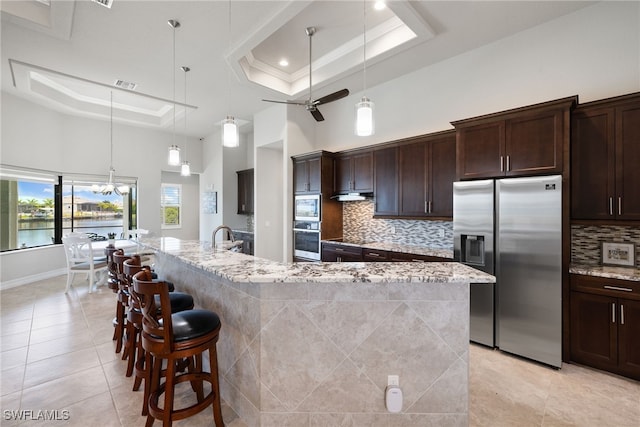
point(186, 70)
point(111, 133)
point(364, 46)
point(174, 83)
point(229, 49)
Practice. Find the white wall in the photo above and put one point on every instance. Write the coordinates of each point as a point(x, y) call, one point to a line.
point(593, 53)
point(39, 138)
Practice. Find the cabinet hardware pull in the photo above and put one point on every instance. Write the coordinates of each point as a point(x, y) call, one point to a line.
point(617, 288)
point(501, 164)
point(339, 250)
point(429, 211)
point(426, 207)
point(619, 205)
point(508, 163)
point(417, 260)
point(621, 314)
point(373, 254)
point(613, 312)
point(611, 206)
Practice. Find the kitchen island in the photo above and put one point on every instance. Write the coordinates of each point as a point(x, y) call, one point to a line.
point(313, 343)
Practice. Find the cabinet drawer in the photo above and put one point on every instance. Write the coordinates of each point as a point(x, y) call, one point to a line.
point(374, 255)
point(604, 286)
point(355, 250)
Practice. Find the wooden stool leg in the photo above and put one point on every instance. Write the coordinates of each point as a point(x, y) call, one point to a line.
point(119, 332)
point(131, 346)
point(215, 386)
point(139, 366)
point(169, 388)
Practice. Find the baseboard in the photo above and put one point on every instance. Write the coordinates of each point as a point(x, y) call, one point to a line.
point(33, 278)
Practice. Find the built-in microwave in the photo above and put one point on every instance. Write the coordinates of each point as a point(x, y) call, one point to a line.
point(307, 207)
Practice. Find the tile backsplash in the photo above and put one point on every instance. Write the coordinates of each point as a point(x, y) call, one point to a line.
point(586, 241)
point(360, 226)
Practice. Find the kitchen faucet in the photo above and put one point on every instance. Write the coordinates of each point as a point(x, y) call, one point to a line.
point(231, 236)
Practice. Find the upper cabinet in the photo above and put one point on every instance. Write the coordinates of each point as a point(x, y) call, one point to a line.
point(245, 191)
point(313, 173)
point(524, 141)
point(354, 172)
point(605, 159)
point(414, 178)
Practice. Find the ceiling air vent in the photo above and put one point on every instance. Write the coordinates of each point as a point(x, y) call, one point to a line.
point(105, 3)
point(125, 85)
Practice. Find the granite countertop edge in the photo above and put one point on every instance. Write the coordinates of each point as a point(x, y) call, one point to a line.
point(240, 268)
point(609, 272)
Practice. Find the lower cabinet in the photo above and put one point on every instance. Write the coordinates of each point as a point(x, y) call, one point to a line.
point(605, 324)
point(332, 252)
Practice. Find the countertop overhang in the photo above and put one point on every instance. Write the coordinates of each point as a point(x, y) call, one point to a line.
point(609, 272)
point(238, 267)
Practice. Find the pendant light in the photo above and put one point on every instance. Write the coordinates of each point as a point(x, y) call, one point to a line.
point(365, 124)
point(174, 150)
point(185, 169)
point(111, 187)
point(230, 136)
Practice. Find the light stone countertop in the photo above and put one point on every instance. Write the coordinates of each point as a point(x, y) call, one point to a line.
point(399, 247)
point(240, 268)
point(609, 272)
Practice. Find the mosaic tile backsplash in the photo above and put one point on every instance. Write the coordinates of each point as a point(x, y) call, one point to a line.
point(360, 226)
point(586, 241)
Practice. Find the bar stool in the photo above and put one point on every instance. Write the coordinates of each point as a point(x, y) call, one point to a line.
point(133, 345)
point(122, 299)
point(174, 337)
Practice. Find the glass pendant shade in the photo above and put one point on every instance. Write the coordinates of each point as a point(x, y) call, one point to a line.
point(230, 137)
point(174, 155)
point(365, 124)
point(185, 169)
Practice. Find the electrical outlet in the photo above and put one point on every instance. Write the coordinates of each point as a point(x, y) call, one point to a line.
point(393, 380)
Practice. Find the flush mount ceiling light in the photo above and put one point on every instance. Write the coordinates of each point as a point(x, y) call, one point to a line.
point(105, 3)
point(174, 150)
point(111, 187)
point(185, 169)
point(230, 135)
point(365, 124)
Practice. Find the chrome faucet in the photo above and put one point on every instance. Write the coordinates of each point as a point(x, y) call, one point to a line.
point(221, 227)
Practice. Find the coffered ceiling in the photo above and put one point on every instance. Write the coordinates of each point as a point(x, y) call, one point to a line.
point(66, 55)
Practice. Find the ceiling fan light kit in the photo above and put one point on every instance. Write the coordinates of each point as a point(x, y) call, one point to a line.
point(310, 104)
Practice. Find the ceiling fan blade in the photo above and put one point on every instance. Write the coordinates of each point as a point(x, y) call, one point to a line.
point(332, 97)
point(316, 114)
point(286, 102)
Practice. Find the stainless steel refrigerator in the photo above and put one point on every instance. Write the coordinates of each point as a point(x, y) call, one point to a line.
point(512, 228)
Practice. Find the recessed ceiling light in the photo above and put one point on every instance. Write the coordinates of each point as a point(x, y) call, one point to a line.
point(283, 63)
point(379, 5)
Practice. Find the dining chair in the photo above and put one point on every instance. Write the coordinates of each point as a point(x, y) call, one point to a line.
point(82, 259)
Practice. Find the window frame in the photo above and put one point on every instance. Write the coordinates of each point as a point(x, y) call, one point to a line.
point(164, 204)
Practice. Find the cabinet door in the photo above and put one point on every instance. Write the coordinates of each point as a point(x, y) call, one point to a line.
point(314, 167)
point(245, 192)
point(627, 203)
point(442, 160)
point(300, 176)
point(480, 150)
point(594, 330)
point(413, 179)
point(534, 144)
point(629, 338)
point(592, 164)
point(343, 178)
point(385, 177)
point(362, 172)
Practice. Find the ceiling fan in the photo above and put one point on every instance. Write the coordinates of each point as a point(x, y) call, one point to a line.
point(312, 104)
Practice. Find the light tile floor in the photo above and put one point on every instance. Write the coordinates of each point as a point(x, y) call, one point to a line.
point(57, 354)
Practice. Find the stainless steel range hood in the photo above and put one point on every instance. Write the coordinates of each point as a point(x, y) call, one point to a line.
point(352, 197)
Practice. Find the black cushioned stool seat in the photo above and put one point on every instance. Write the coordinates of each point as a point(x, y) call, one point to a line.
point(174, 338)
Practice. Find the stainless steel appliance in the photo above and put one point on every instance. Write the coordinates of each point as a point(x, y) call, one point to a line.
point(306, 240)
point(307, 207)
point(512, 228)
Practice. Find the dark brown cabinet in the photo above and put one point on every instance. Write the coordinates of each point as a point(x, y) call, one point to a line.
point(605, 324)
point(414, 179)
point(354, 172)
point(605, 154)
point(335, 252)
point(525, 141)
point(307, 175)
point(385, 181)
point(374, 255)
point(245, 192)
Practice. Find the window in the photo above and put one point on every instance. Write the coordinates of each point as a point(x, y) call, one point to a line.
point(38, 207)
point(171, 205)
